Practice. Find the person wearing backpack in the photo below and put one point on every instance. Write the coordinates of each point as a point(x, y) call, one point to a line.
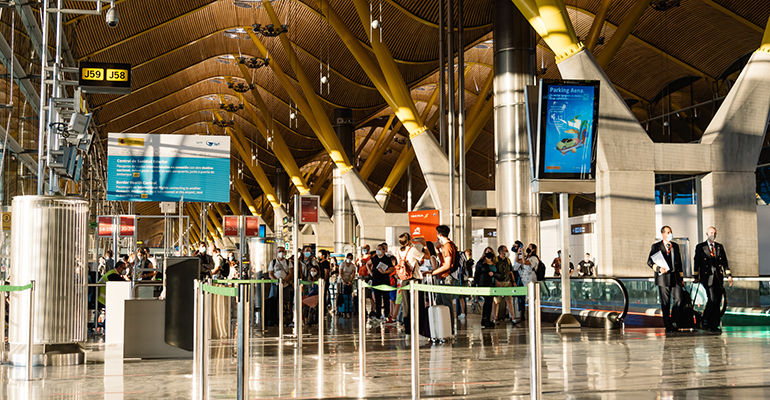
point(407, 269)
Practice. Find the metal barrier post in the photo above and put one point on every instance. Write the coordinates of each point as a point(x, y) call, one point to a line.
point(414, 319)
point(196, 328)
point(361, 331)
point(2, 324)
point(203, 344)
point(535, 364)
point(280, 311)
point(31, 337)
point(262, 308)
point(321, 315)
point(244, 314)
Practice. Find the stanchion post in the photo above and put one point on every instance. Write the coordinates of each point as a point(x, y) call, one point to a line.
point(262, 308)
point(204, 331)
point(535, 364)
point(361, 330)
point(414, 319)
point(196, 328)
point(321, 313)
point(280, 310)
point(31, 333)
point(244, 314)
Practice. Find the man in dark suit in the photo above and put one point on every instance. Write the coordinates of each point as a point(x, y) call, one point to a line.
point(710, 268)
point(668, 277)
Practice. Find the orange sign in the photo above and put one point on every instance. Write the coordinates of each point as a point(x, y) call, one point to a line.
point(423, 224)
point(231, 225)
point(252, 226)
point(105, 226)
point(127, 225)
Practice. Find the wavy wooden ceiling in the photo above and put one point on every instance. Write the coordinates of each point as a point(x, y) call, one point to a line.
point(176, 50)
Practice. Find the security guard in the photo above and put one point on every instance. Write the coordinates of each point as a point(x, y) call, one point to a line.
point(710, 269)
point(112, 275)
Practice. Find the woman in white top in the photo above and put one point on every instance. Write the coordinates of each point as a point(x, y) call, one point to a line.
point(414, 260)
point(528, 264)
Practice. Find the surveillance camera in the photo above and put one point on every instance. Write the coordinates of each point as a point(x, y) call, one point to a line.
point(112, 16)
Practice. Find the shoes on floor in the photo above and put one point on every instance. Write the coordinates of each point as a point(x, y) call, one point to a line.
point(715, 330)
point(461, 317)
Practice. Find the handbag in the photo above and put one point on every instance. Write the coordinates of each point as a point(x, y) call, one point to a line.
point(273, 291)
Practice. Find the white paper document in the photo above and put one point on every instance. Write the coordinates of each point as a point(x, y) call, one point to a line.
point(658, 258)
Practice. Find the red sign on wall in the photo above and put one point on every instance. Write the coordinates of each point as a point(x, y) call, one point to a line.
point(422, 224)
point(308, 209)
point(252, 226)
point(105, 226)
point(127, 225)
point(231, 225)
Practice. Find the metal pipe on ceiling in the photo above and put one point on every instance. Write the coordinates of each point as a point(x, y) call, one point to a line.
point(451, 124)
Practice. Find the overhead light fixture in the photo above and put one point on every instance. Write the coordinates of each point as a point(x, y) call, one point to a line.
point(230, 107)
point(242, 4)
point(253, 62)
point(270, 30)
point(240, 87)
point(664, 5)
point(224, 123)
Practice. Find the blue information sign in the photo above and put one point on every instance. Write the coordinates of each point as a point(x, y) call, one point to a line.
point(145, 167)
point(567, 128)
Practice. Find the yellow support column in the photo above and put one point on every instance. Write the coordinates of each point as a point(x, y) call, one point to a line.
point(244, 192)
point(550, 20)
point(629, 22)
point(597, 25)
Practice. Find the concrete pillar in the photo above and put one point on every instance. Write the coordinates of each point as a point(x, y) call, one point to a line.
point(514, 60)
point(282, 185)
point(343, 212)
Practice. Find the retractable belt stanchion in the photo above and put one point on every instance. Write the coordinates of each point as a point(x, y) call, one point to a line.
point(321, 317)
point(244, 314)
point(535, 362)
point(196, 328)
point(200, 344)
point(262, 308)
point(414, 319)
point(31, 329)
point(280, 311)
point(361, 330)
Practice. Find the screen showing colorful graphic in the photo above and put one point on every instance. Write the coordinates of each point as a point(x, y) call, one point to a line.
point(568, 114)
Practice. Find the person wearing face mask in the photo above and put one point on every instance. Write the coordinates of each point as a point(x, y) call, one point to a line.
point(306, 260)
point(206, 260)
point(484, 276)
point(381, 268)
point(504, 278)
point(347, 277)
point(282, 270)
point(448, 253)
point(586, 267)
point(310, 301)
point(235, 272)
point(666, 260)
point(710, 269)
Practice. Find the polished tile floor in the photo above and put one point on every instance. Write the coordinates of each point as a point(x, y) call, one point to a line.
point(481, 363)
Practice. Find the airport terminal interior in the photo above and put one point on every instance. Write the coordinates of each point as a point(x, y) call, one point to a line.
point(301, 199)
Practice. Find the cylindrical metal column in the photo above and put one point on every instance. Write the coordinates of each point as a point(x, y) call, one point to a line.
point(343, 211)
point(441, 78)
point(451, 125)
point(514, 60)
point(462, 238)
point(535, 342)
point(48, 238)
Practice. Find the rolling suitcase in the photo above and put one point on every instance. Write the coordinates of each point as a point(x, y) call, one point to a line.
point(440, 320)
point(685, 316)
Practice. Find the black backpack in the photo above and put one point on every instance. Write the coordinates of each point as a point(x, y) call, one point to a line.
point(540, 271)
point(457, 266)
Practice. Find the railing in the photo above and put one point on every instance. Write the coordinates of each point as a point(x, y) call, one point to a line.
point(606, 294)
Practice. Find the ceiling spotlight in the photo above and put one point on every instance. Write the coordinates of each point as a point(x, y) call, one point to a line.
point(375, 24)
point(664, 5)
point(240, 87)
point(324, 79)
point(293, 115)
point(112, 17)
point(242, 4)
point(224, 123)
point(270, 30)
point(253, 62)
point(231, 107)
point(600, 40)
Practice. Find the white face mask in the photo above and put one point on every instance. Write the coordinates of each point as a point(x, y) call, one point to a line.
point(280, 255)
point(202, 249)
point(313, 273)
point(350, 260)
point(379, 253)
point(669, 237)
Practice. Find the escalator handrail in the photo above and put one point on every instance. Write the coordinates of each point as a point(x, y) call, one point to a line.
point(623, 289)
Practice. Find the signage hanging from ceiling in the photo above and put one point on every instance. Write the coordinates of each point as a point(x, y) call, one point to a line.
point(112, 78)
point(145, 167)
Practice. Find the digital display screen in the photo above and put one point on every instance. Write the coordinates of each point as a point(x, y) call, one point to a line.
point(567, 129)
point(262, 231)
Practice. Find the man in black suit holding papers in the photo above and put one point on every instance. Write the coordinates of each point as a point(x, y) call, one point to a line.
point(666, 261)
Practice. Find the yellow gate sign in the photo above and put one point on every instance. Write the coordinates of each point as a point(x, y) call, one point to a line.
point(6, 221)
